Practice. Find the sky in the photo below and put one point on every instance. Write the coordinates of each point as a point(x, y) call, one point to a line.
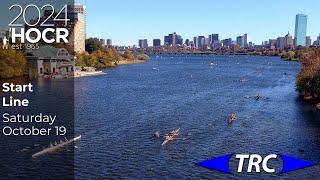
point(126, 21)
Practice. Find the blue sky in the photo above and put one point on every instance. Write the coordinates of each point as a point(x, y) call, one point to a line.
point(126, 21)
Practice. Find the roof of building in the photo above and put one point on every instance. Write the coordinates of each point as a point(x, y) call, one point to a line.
point(47, 51)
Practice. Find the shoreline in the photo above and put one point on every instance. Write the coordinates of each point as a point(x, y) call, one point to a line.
point(126, 62)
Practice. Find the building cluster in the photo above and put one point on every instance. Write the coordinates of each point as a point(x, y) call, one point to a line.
point(106, 42)
point(212, 41)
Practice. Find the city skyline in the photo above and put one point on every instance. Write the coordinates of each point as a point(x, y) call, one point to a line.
point(153, 20)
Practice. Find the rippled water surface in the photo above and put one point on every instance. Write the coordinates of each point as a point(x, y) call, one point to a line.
point(118, 113)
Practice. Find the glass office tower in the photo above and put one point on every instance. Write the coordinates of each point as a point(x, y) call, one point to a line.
point(301, 30)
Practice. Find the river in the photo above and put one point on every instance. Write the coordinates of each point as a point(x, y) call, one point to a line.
point(117, 114)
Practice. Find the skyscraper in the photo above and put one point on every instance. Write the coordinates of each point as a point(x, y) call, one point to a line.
point(109, 42)
point(156, 42)
point(288, 41)
point(240, 41)
point(166, 40)
point(308, 41)
point(301, 30)
point(143, 43)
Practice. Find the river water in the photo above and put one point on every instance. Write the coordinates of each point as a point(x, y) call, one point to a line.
point(117, 114)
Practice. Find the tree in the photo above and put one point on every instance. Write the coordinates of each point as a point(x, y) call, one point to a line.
point(93, 44)
point(128, 55)
point(12, 63)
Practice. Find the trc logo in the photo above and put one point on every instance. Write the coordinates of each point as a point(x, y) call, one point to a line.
point(255, 162)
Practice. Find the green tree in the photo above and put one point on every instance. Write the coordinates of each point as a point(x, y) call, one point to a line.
point(93, 44)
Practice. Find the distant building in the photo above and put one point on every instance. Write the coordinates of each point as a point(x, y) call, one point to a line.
point(245, 39)
point(166, 40)
point(272, 43)
point(280, 43)
point(301, 29)
point(103, 42)
point(195, 41)
point(240, 41)
point(179, 40)
point(201, 42)
point(173, 39)
point(308, 41)
point(187, 42)
point(109, 42)
point(156, 42)
point(227, 43)
point(214, 39)
point(288, 41)
point(207, 42)
point(143, 43)
point(317, 42)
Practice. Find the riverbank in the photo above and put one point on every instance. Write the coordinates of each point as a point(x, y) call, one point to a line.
point(127, 61)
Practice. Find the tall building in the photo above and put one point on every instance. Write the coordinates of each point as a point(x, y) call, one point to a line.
point(143, 43)
point(195, 42)
point(201, 42)
point(240, 41)
point(301, 30)
point(280, 43)
point(156, 42)
point(227, 43)
point(317, 43)
point(103, 42)
point(109, 42)
point(179, 40)
point(245, 40)
point(76, 26)
point(78, 35)
point(166, 40)
point(207, 42)
point(187, 42)
point(272, 43)
point(173, 39)
point(288, 41)
point(214, 39)
point(308, 41)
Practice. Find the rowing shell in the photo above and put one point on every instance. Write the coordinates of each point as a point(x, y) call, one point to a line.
point(56, 147)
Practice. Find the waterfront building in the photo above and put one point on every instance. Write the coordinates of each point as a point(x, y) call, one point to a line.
point(156, 42)
point(48, 61)
point(143, 43)
point(301, 29)
point(109, 42)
